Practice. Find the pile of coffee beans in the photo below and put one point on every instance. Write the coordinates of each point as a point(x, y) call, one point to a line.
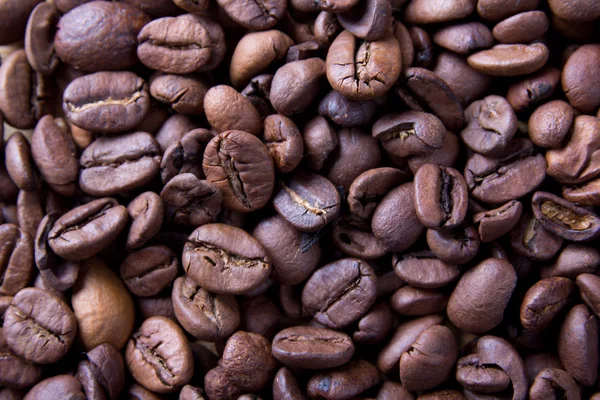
point(299, 199)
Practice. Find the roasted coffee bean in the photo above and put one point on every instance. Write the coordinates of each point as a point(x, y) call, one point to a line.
point(284, 141)
point(107, 102)
point(16, 259)
point(25, 92)
point(467, 84)
point(410, 266)
point(407, 47)
point(428, 12)
point(578, 345)
point(159, 356)
point(410, 300)
point(39, 326)
point(184, 155)
point(57, 387)
point(320, 140)
point(577, 74)
point(307, 201)
point(19, 165)
point(87, 229)
point(29, 211)
point(543, 301)
point(458, 246)
point(303, 51)
point(286, 387)
point(345, 112)
point(353, 236)
point(464, 38)
point(191, 201)
point(499, 221)
point(116, 25)
point(587, 194)
point(534, 89)
point(565, 219)
point(492, 125)
point(478, 301)
point(192, 6)
point(296, 84)
point(39, 38)
point(106, 364)
point(370, 187)
point(254, 15)
point(112, 165)
point(536, 363)
point(292, 264)
point(368, 20)
point(550, 123)
point(258, 92)
point(522, 28)
point(15, 372)
point(510, 59)
point(189, 392)
point(554, 382)
point(530, 239)
point(225, 259)
point(446, 155)
point(340, 292)
point(184, 94)
point(146, 212)
point(204, 315)
point(361, 70)
point(375, 325)
point(260, 315)
point(91, 387)
point(15, 14)
point(496, 10)
point(173, 129)
point(312, 348)
point(588, 285)
point(181, 45)
point(240, 165)
point(226, 109)
point(344, 382)
point(148, 271)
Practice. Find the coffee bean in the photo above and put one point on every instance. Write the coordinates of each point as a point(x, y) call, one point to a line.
point(181, 45)
point(533, 89)
point(543, 301)
point(467, 84)
point(464, 38)
point(370, 187)
point(409, 267)
point(369, 20)
point(204, 315)
point(550, 123)
point(286, 387)
point(578, 345)
point(428, 12)
point(360, 69)
point(159, 356)
point(496, 10)
point(588, 285)
point(239, 164)
point(225, 259)
point(284, 141)
point(254, 15)
point(488, 288)
point(375, 325)
point(227, 109)
point(497, 222)
point(410, 300)
point(15, 372)
point(353, 236)
point(106, 364)
point(510, 59)
point(296, 84)
point(577, 11)
point(191, 201)
point(29, 211)
point(173, 129)
point(536, 363)
point(522, 28)
point(39, 326)
point(312, 348)
point(345, 112)
point(148, 271)
point(19, 164)
point(258, 92)
point(184, 94)
point(189, 392)
point(340, 292)
point(445, 155)
point(14, 18)
point(116, 25)
point(59, 386)
point(184, 155)
point(320, 140)
point(16, 259)
point(39, 38)
point(530, 239)
point(553, 382)
point(87, 229)
point(458, 246)
point(146, 212)
point(344, 382)
point(89, 101)
point(403, 37)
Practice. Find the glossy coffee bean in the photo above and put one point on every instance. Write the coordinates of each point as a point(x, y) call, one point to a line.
point(464, 38)
point(226, 109)
point(146, 212)
point(410, 266)
point(543, 301)
point(343, 382)
point(499, 221)
point(510, 59)
point(410, 300)
point(39, 38)
point(284, 141)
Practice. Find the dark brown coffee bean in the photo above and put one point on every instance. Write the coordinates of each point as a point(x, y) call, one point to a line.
point(292, 263)
point(15, 372)
point(159, 356)
point(89, 384)
point(375, 325)
point(227, 109)
point(360, 70)
point(181, 45)
point(284, 141)
point(191, 201)
point(16, 259)
point(530, 239)
point(457, 246)
point(173, 129)
point(57, 387)
point(344, 382)
point(534, 89)
point(395, 222)
point(320, 140)
point(55, 155)
point(430, 359)
point(496, 10)
point(146, 212)
point(467, 84)
point(258, 92)
point(189, 392)
point(552, 382)
point(19, 164)
point(577, 75)
point(225, 259)
point(478, 301)
point(29, 211)
point(148, 271)
point(510, 59)
point(406, 334)
point(578, 345)
point(307, 201)
point(345, 112)
point(536, 363)
point(587, 194)
point(106, 364)
point(340, 292)
point(260, 315)
point(286, 387)
point(39, 38)
point(445, 155)
point(254, 15)
point(543, 301)
point(184, 94)
point(410, 266)
point(522, 28)
point(492, 125)
point(550, 123)
point(407, 48)
point(499, 221)
point(577, 11)
point(107, 102)
point(204, 315)
point(39, 326)
point(353, 236)
point(116, 25)
point(428, 12)
point(14, 18)
point(326, 25)
point(588, 289)
point(410, 300)
point(87, 229)
point(240, 165)
point(370, 187)
point(464, 38)
point(368, 20)
point(565, 219)
point(184, 155)
point(296, 85)
point(312, 348)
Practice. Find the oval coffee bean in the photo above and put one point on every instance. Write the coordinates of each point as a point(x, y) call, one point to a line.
point(588, 289)
point(58, 386)
point(320, 140)
point(146, 212)
point(296, 84)
point(510, 59)
point(522, 28)
point(312, 348)
point(375, 325)
point(345, 112)
point(107, 102)
point(565, 219)
point(111, 165)
point(410, 300)
point(422, 269)
point(286, 387)
point(530, 239)
point(226, 109)
point(159, 356)
point(148, 271)
point(499, 221)
point(87, 229)
point(344, 382)
point(478, 301)
point(254, 15)
point(458, 246)
point(340, 292)
point(464, 38)
point(191, 201)
point(284, 141)
point(427, 12)
point(550, 123)
point(185, 155)
point(16, 259)
point(225, 259)
point(39, 38)
point(19, 165)
point(368, 20)
point(240, 165)
point(184, 94)
point(578, 71)
point(108, 368)
point(39, 326)
point(370, 187)
point(543, 301)
point(204, 315)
